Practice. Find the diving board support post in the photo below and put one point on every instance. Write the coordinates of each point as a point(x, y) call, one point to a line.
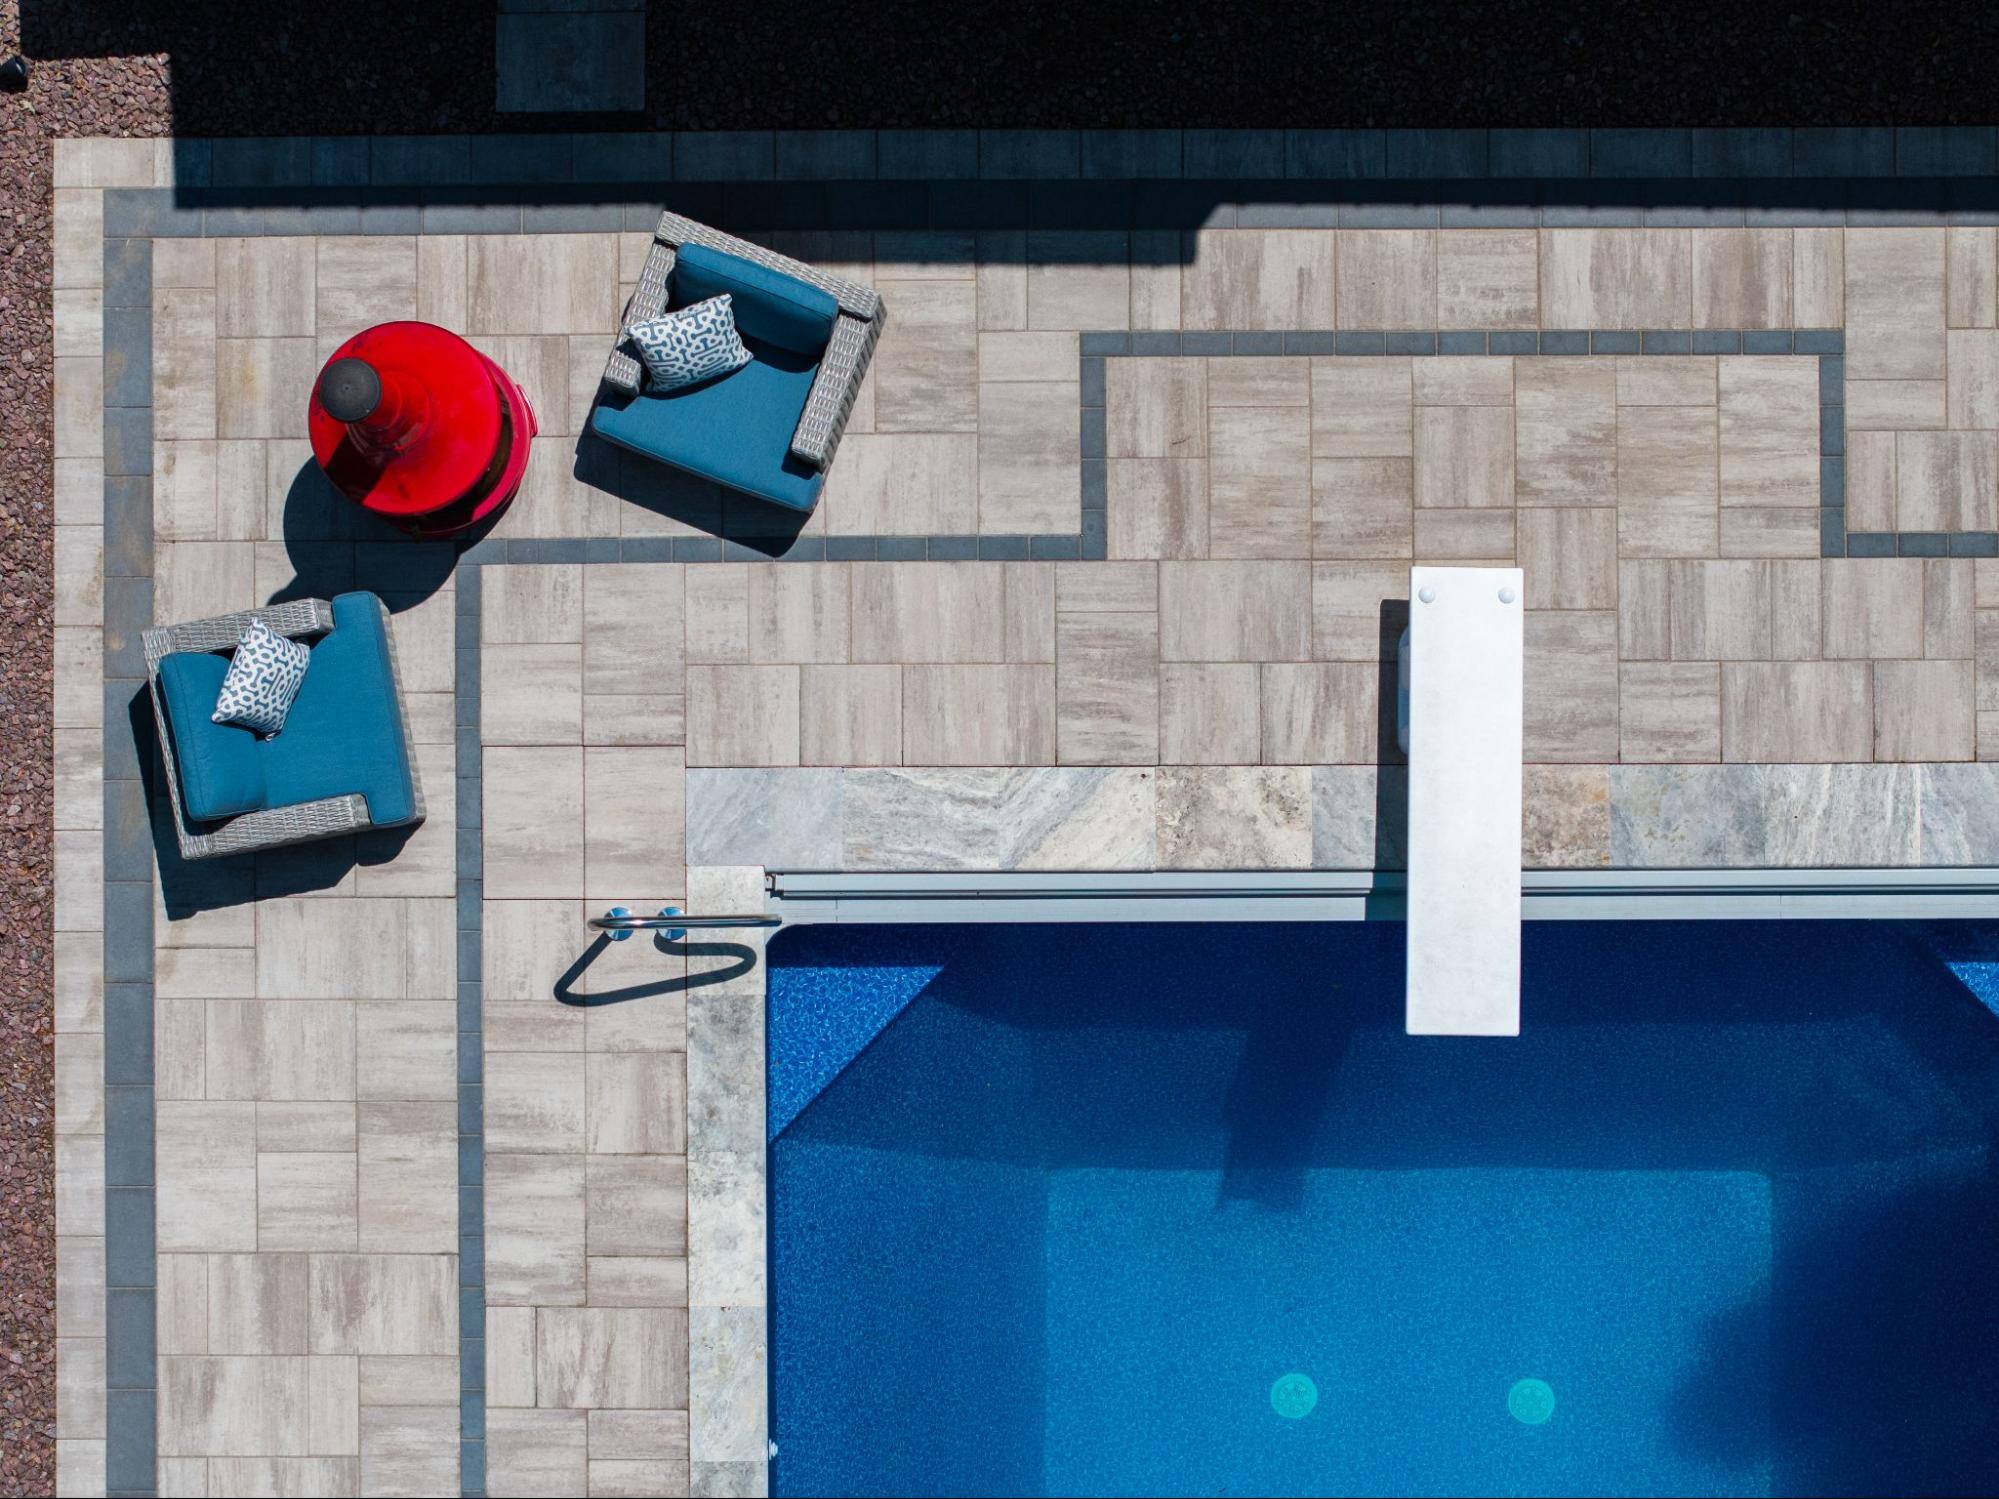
point(1466, 648)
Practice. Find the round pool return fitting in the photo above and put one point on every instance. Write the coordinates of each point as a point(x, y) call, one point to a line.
point(1530, 1402)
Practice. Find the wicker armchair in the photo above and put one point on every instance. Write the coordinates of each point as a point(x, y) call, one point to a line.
point(274, 827)
point(841, 370)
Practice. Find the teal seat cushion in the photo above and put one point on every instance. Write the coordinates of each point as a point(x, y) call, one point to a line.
point(736, 430)
point(344, 733)
point(220, 764)
point(778, 309)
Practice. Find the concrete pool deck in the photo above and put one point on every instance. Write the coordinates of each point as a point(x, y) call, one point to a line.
point(1102, 580)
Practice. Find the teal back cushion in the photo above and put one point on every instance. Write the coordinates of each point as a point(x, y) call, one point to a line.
point(221, 770)
point(769, 305)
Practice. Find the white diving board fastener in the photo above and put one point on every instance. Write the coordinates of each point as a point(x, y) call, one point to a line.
point(1463, 680)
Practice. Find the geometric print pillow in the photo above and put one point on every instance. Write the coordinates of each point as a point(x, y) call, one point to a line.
point(695, 343)
point(263, 678)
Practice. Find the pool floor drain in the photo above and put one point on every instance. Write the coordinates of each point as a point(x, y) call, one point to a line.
point(1531, 1401)
point(1293, 1396)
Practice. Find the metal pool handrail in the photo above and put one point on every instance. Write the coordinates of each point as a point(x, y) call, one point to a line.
point(616, 921)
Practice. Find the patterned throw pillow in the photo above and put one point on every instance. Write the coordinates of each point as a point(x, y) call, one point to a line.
point(694, 343)
point(263, 679)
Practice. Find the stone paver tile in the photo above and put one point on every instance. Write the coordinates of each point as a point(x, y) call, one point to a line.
point(1002, 279)
point(79, 237)
point(1463, 380)
point(1028, 448)
point(79, 408)
point(1870, 481)
point(1030, 610)
point(184, 367)
point(1488, 278)
point(234, 1405)
point(1358, 609)
point(1569, 557)
point(1873, 607)
point(1769, 431)
point(718, 613)
point(1796, 600)
point(360, 947)
point(636, 1103)
point(1985, 632)
point(1791, 532)
point(1258, 380)
point(285, 1128)
point(1667, 496)
point(182, 1324)
point(1259, 482)
point(1387, 278)
point(79, 575)
point(742, 715)
point(634, 821)
point(1896, 405)
point(1742, 278)
point(928, 611)
point(185, 488)
point(256, 1303)
point(654, 1437)
point(1972, 398)
point(1106, 587)
point(634, 641)
point(1478, 536)
point(1155, 278)
point(539, 605)
point(1464, 457)
point(978, 715)
point(409, 1449)
point(1796, 712)
point(799, 613)
point(442, 289)
point(534, 1101)
point(1158, 507)
point(79, 1083)
point(1363, 507)
point(850, 715)
point(1571, 686)
point(408, 1167)
point(1923, 711)
point(531, 694)
point(1320, 713)
point(333, 1401)
point(509, 1356)
point(1362, 407)
point(1669, 711)
point(1616, 278)
point(383, 1304)
point(1156, 408)
point(926, 367)
point(1946, 481)
point(1209, 713)
point(534, 1230)
point(1648, 380)
point(1971, 278)
point(200, 579)
point(538, 1452)
point(265, 288)
point(307, 1200)
point(636, 1204)
point(904, 484)
point(1027, 356)
point(180, 1063)
point(1078, 279)
point(1565, 413)
point(1719, 610)
point(79, 322)
point(1818, 277)
point(528, 945)
point(1107, 689)
point(541, 283)
point(206, 1160)
point(540, 365)
point(533, 821)
point(367, 279)
point(262, 386)
point(1235, 611)
point(103, 161)
point(79, 490)
point(1948, 604)
point(280, 1049)
point(1235, 817)
point(1258, 278)
point(1894, 304)
point(405, 1049)
point(628, 1357)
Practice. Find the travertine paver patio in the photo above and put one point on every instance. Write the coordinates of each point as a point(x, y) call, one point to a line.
point(598, 723)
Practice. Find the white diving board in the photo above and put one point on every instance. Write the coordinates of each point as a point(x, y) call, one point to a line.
point(1463, 680)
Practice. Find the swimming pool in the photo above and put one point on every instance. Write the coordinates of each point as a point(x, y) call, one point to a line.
point(1178, 1209)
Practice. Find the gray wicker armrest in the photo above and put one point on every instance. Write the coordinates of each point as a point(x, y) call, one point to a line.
point(622, 373)
point(839, 379)
point(855, 298)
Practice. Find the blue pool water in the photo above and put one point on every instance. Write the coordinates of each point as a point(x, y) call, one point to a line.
point(1069, 1210)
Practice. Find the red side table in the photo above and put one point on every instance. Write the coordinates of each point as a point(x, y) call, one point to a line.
point(411, 422)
